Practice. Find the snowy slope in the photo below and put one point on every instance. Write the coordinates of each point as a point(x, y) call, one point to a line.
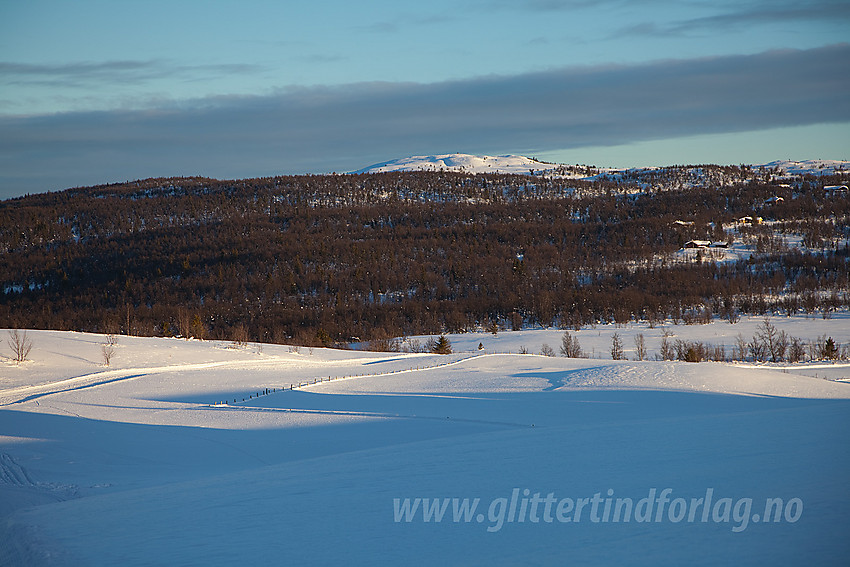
point(138, 465)
point(809, 167)
point(464, 163)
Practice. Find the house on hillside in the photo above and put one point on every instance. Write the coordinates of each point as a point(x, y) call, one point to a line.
point(750, 220)
point(697, 244)
point(774, 200)
point(832, 190)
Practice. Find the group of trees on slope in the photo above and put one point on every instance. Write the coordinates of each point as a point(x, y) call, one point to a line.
point(318, 260)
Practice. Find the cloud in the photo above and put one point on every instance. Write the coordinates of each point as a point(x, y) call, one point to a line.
point(761, 15)
point(725, 11)
point(128, 71)
point(381, 27)
point(646, 29)
point(348, 127)
point(551, 5)
point(404, 20)
point(745, 15)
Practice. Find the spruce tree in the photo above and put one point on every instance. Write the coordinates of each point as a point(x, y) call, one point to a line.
point(442, 346)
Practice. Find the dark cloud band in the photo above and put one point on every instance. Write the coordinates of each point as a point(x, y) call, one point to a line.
point(338, 128)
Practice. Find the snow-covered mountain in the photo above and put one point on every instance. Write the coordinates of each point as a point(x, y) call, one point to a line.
point(809, 167)
point(521, 165)
point(462, 163)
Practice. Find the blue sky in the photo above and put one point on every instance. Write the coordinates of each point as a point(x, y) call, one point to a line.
point(104, 91)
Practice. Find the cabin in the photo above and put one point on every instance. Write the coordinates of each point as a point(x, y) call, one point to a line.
point(750, 220)
point(697, 244)
point(835, 189)
point(774, 200)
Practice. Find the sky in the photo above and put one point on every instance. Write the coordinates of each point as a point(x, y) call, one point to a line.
point(96, 92)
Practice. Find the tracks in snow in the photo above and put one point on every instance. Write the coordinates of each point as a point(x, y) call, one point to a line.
point(13, 473)
point(28, 393)
point(23, 394)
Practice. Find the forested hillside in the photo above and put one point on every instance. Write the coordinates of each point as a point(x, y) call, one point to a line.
point(327, 259)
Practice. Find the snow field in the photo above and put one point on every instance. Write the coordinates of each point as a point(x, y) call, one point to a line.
point(132, 464)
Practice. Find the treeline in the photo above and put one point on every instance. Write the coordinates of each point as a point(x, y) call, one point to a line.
point(323, 259)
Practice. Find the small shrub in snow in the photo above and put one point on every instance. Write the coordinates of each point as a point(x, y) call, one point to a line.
point(20, 345)
point(827, 349)
point(570, 346)
point(617, 347)
point(239, 336)
point(774, 343)
point(413, 345)
point(107, 351)
point(640, 346)
point(667, 352)
point(739, 350)
point(758, 350)
point(796, 350)
point(493, 327)
point(384, 345)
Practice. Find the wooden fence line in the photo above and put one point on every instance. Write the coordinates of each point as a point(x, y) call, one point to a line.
point(293, 386)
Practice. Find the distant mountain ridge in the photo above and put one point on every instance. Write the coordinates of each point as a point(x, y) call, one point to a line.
point(809, 167)
point(521, 165)
point(461, 163)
